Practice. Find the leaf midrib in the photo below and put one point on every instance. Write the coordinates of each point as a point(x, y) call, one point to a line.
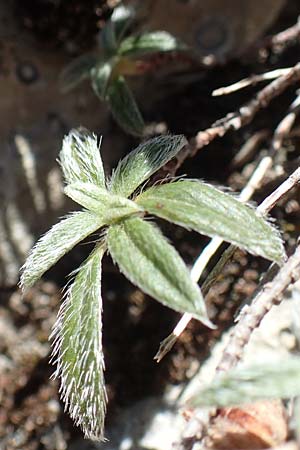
point(165, 273)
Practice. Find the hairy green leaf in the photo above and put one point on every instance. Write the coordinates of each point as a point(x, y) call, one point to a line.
point(147, 43)
point(278, 379)
point(124, 108)
point(77, 71)
point(142, 162)
point(56, 242)
point(115, 28)
point(108, 39)
point(100, 76)
point(77, 348)
point(80, 158)
point(111, 207)
point(149, 261)
point(205, 209)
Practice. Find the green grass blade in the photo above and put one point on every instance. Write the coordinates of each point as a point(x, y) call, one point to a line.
point(80, 158)
point(142, 162)
point(77, 348)
point(205, 209)
point(124, 108)
point(150, 262)
point(77, 71)
point(111, 207)
point(147, 43)
point(60, 239)
point(279, 379)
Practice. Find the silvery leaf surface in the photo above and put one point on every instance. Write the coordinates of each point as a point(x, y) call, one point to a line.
point(80, 158)
point(143, 162)
point(203, 208)
point(109, 206)
point(59, 240)
point(77, 348)
point(147, 259)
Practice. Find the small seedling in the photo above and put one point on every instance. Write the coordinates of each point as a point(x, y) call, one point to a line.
point(116, 210)
point(119, 57)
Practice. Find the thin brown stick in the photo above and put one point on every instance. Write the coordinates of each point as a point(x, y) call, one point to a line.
point(285, 125)
point(233, 121)
point(282, 190)
point(249, 148)
point(246, 113)
point(280, 41)
point(251, 316)
point(286, 36)
point(250, 81)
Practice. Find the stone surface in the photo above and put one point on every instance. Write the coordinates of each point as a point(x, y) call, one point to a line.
point(35, 116)
point(215, 30)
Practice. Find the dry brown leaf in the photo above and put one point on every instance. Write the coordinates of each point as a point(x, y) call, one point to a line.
point(255, 426)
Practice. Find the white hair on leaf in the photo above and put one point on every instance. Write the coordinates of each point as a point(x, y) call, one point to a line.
point(77, 348)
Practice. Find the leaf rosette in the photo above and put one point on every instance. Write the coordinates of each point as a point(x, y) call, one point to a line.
point(115, 211)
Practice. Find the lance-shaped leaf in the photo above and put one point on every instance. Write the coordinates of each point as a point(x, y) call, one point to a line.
point(147, 259)
point(278, 379)
point(115, 28)
point(77, 71)
point(100, 76)
point(80, 158)
point(56, 242)
point(124, 108)
point(143, 162)
point(110, 206)
point(147, 43)
point(108, 39)
point(77, 348)
point(205, 209)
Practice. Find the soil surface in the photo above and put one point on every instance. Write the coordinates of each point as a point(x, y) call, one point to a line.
point(31, 414)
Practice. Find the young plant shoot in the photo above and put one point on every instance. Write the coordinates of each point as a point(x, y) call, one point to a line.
point(120, 57)
point(116, 209)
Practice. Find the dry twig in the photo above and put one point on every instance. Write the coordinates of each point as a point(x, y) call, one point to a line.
point(280, 41)
point(285, 37)
point(233, 121)
point(284, 127)
point(246, 113)
point(251, 81)
point(251, 316)
point(249, 148)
